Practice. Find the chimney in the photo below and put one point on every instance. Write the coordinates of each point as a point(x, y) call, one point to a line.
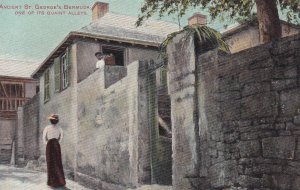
point(99, 9)
point(198, 18)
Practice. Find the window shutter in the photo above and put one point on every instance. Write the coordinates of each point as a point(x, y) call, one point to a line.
point(57, 73)
point(68, 56)
point(163, 76)
point(46, 86)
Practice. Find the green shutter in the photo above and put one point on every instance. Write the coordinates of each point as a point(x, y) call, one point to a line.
point(46, 86)
point(69, 64)
point(163, 76)
point(57, 73)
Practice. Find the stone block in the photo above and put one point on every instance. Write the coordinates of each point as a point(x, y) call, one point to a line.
point(249, 181)
point(255, 76)
point(290, 102)
point(292, 168)
point(283, 84)
point(231, 137)
point(223, 174)
point(282, 182)
point(296, 120)
point(296, 183)
point(230, 110)
point(259, 105)
point(279, 147)
point(285, 72)
point(265, 63)
point(255, 88)
point(225, 96)
point(228, 83)
point(249, 135)
point(249, 148)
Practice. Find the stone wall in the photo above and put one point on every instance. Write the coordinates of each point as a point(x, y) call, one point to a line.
point(185, 138)
point(30, 130)
point(109, 120)
point(7, 136)
point(104, 116)
point(113, 74)
point(64, 104)
point(235, 117)
point(27, 132)
point(20, 137)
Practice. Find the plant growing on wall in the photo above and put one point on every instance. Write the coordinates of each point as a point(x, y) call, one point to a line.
point(266, 10)
point(204, 34)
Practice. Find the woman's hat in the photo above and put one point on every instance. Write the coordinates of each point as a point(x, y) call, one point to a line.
point(53, 116)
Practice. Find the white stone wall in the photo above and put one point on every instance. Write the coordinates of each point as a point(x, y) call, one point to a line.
point(108, 127)
point(63, 103)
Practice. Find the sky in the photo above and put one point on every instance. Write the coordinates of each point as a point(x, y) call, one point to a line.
point(31, 37)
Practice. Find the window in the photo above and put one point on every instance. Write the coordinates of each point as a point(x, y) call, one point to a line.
point(62, 72)
point(12, 95)
point(46, 86)
point(117, 55)
point(65, 70)
point(12, 90)
point(57, 73)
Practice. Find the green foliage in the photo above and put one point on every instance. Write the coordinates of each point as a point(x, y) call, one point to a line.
point(204, 34)
point(291, 8)
point(234, 8)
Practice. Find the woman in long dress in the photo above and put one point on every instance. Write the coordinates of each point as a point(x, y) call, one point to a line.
point(52, 136)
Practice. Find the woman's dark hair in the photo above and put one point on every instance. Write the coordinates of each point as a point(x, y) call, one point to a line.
point(54, 121)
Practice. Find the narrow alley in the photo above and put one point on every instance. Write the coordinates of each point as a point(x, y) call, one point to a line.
point(12, 178)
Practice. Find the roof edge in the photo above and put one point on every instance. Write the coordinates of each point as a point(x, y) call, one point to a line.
point(35, 75)
point(251, 23)
point(20, 78)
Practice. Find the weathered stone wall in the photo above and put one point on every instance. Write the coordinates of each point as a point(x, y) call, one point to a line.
point(30, 129)
point(7, 136)
point(104, 116)
point(164, 161)
point(113, 74)
point(64, 104)
point(244, 111)
point(185, 138)
point(109, 120)
point(135, 54)
point(20, 136)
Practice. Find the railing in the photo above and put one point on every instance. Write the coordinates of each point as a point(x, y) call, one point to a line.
point(11, 104)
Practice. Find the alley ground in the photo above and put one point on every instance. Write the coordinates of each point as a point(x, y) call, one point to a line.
point(12, 178)
point(21, 179)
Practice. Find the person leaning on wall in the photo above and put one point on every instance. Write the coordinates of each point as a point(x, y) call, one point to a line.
point(52, 136)
point(101, 59)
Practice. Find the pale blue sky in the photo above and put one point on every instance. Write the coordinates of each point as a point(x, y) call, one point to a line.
point(33, 37)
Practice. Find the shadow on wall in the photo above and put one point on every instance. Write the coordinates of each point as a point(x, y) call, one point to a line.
point(113, 74)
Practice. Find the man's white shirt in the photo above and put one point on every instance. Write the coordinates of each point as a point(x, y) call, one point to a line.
point(100, 64)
